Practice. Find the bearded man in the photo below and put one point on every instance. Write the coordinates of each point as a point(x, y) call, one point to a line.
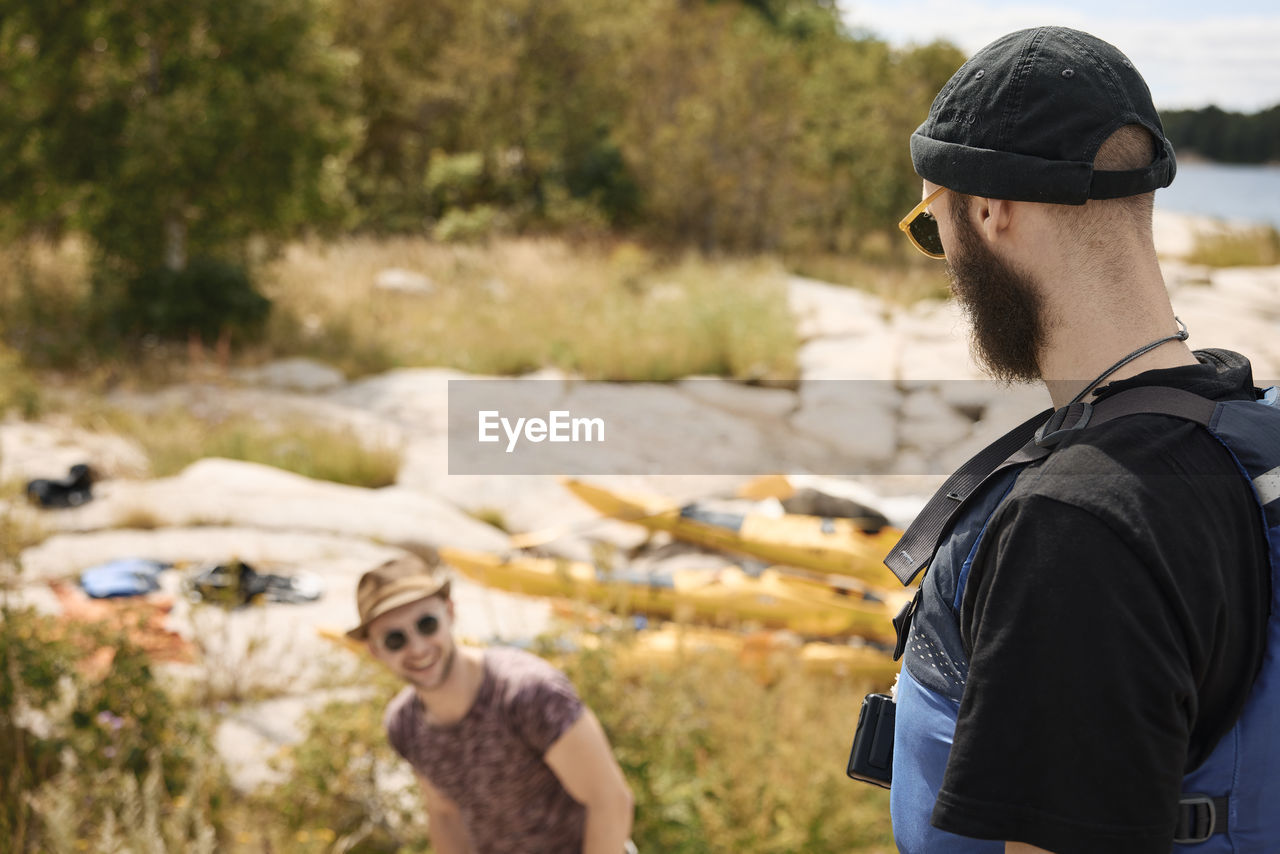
point(1090, 663)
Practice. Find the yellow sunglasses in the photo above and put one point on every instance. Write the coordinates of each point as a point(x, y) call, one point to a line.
point(921, 227)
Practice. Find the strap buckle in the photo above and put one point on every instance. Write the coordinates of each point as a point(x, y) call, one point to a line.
point(1073, 416)
point(902, 625)
point(1197, 820)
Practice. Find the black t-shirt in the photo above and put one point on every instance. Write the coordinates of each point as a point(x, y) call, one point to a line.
point(1115, 618)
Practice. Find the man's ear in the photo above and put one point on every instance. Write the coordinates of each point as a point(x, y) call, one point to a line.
point(994, 216)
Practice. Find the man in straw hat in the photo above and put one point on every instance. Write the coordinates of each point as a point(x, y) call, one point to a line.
point(1091, 663)
point(508, 757)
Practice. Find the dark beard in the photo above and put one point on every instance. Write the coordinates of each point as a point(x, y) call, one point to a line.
point(1001, 303)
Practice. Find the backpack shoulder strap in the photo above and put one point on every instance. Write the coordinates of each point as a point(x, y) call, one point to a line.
point(1031, 440)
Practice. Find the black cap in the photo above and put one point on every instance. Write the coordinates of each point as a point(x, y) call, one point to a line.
point(1023, 119)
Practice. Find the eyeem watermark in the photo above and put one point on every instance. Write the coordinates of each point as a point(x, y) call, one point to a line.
point(559, 426)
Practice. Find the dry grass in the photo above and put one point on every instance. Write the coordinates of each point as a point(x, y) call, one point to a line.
point(21, 527)
point(45, 299)
point(19, 391)
point(602, 311)
point(720, 761)
point(175, 438)
point(605, 310)
point(138, 519)
point(1246, 247)
point(895, 282)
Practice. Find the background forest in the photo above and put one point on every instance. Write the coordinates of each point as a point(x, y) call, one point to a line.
point(180, 138)
point(185, 142)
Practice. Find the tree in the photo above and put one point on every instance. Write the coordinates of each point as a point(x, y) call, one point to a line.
point(749, 131)
point(170, 131)
point(1226, 136)
point(521, 87)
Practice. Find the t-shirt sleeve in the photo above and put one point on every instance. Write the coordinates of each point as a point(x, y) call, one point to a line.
point(543, 706)
point(1073, 729)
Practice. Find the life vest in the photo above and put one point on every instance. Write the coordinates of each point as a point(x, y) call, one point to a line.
point(1229, 801)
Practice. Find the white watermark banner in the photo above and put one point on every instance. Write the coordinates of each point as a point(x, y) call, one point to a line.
point(717, 427)
point(713, 426)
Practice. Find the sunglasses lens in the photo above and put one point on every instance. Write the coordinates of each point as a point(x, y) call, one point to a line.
point(924, 230)
point(394, 640)
point(427, 625)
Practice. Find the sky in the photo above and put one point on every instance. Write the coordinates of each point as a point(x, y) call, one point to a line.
point(1192, 54)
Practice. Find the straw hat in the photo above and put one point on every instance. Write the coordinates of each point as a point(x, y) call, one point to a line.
point(397, 582)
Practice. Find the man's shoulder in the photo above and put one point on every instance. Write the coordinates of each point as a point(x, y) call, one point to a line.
point(515, 670)
point(1145, 477)
point(400, 704)
point(1136, 449)
point(398, 717)
point(534, 698)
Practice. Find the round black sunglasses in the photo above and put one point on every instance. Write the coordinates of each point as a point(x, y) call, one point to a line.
point(427, 625)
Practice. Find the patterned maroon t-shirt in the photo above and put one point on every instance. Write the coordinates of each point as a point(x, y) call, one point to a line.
point(490, 762)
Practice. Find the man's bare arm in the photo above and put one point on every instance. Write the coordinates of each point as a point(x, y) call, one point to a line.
point(584, 764)
point(1023, 848)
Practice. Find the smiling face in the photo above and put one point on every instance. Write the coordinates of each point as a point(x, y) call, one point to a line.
point(416, 642)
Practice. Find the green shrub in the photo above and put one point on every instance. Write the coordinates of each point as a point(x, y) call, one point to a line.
point(455, 179)
point(345, 780)
point(574, 216)
point(467, 225)
point(112, 812)
point(208, 298)
point(61, 721)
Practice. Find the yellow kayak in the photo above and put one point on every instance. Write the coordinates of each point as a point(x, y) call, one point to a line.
point(765, 653)
point(723, 597)
point(762, 652)
point(835, 546)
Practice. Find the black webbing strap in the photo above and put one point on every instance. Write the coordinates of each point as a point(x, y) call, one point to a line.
point(1199, 818)
point(1031, 440)
point(918, 543)
point(1155, 400)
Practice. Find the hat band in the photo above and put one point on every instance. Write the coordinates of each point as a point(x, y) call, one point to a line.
point(1026, 178)
point(392, 596)
point(1116, 185)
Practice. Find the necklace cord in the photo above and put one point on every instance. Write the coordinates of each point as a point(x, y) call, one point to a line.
point(1181, 335)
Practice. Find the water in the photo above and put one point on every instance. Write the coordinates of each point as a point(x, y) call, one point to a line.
point(1223, 191)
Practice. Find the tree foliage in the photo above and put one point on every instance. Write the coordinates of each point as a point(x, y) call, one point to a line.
point(1226, 136)
point(172, 133)
point(727, 125)
point(520, 88)
point(143, 120)
point(169, 131)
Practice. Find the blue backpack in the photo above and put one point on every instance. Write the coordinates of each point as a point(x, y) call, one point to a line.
point(1228, 803)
